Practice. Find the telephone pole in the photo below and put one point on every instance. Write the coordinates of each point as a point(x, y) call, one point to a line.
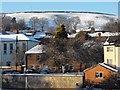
point(16, 50)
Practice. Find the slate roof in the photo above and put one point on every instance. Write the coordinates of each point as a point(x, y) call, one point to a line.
point(115, 40)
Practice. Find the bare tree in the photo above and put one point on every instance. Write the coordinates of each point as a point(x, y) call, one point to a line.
point(76, 21)
point(70, 23)
point(59, 20)
point(112, 26)
point(39, 23)
point(34, 21)
point(21, 24)
point(43, 23)
point(6, 21)
point(0, 20)
point(90, 23)
point(62, 51)
point(51, 30)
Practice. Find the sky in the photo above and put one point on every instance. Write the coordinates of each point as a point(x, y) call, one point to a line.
point(102, 7)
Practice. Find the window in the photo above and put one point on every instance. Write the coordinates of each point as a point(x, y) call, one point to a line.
point(24, 47)
point(39, 57)
point(109, 49)
point(5, 48)
point(11, 48)
point(99, 75)
point(109, 61)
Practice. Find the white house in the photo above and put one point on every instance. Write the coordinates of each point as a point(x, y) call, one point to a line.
point(13, 47)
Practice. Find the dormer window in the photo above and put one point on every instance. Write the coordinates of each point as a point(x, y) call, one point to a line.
point(109, 49)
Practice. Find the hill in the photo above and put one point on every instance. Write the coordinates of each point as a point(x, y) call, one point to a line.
point(99, 19)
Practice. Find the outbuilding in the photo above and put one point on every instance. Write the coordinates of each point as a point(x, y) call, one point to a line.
point(98, 73)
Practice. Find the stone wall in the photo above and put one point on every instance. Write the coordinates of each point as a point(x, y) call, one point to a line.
point(42, 81)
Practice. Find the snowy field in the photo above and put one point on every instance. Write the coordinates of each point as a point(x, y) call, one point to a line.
point(99, 19)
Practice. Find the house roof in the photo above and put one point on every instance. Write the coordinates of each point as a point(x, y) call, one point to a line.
point(35, 50)
point(103, 65)
point(41, 35)
point(105, 34)
point(14, 37)
point(115, 40)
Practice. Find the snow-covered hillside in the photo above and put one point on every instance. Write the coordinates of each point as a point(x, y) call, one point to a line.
point(99, 19)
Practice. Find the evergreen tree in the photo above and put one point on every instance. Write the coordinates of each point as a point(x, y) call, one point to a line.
point(61, 32)
point(13, 20)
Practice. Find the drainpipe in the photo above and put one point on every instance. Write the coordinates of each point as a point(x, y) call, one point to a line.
point(16, 50)
point(26, 56)
point(26, 61)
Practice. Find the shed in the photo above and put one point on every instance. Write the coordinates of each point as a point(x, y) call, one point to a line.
point(98, 73)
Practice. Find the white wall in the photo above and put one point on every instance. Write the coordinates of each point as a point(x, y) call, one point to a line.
point(12, 57)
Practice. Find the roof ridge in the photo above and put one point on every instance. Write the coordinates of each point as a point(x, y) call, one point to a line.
point(108, 67)
point(103, 65)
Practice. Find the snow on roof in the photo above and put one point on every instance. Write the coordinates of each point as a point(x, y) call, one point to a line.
point(35, 50)
point(72, 35)
point(103, 65)
point(41, 35)
point(96, 34)
point(108, 67)
point(13, 37)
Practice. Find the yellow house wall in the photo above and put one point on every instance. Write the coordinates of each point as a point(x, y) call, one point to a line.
point(109, 55)
point(114, 55)
point(118, 57)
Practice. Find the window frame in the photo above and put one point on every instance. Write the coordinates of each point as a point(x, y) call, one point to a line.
point(24, 47)
point(11, 49)
point(109, 49)
point(5, 48)
point(39, 57)
point(100, 76)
